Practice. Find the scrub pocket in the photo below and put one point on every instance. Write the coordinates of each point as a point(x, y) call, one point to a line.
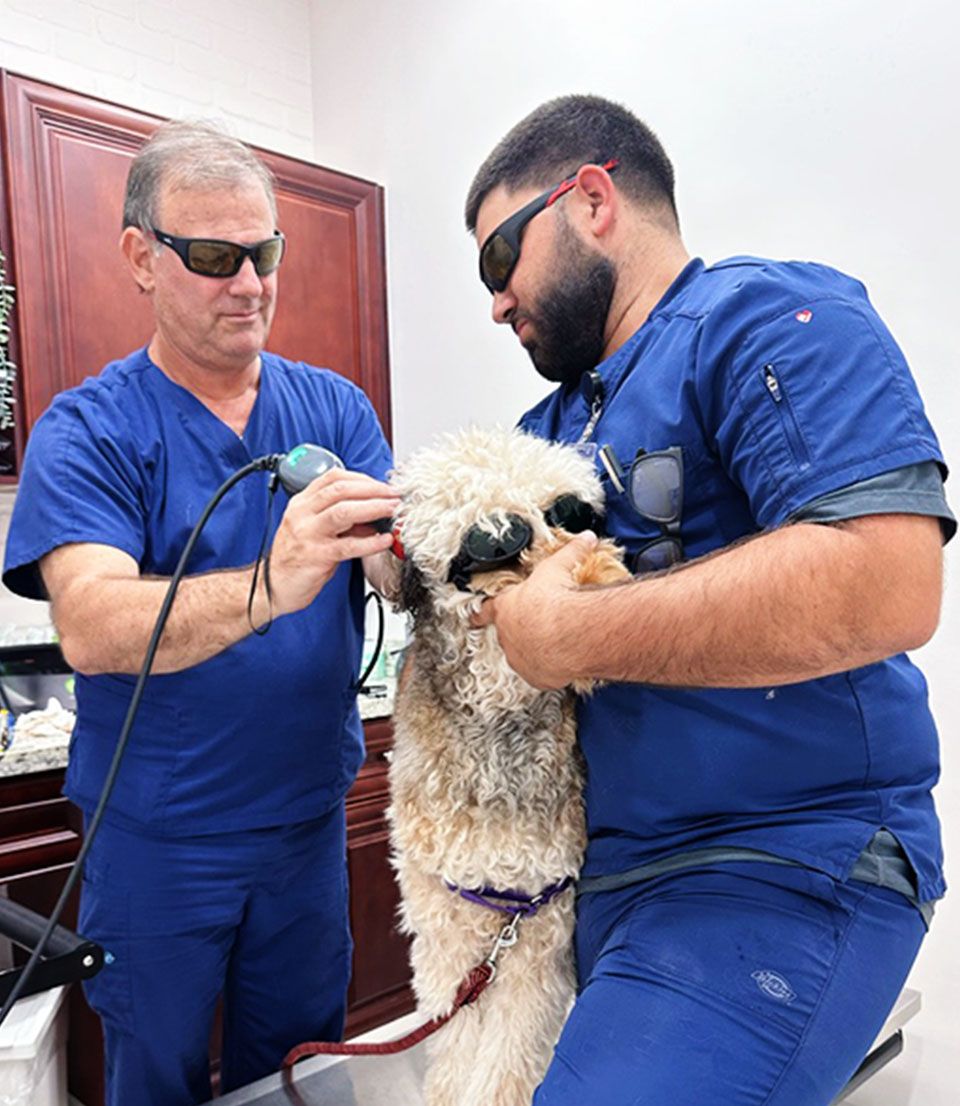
point(352, 749)
point(757, 937)
point(105, 919)
point(145, 774)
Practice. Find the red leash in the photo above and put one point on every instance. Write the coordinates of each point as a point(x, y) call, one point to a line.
point(470, 990)
point(476, 982)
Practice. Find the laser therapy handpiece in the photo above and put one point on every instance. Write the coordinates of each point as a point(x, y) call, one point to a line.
point(305, 464)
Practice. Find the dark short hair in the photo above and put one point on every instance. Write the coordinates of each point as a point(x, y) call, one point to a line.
point(553, 141)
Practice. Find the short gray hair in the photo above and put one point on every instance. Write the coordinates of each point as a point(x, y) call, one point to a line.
point(189, 154)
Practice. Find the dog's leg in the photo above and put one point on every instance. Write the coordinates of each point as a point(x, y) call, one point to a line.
point(603, 565)
point(496, 1052)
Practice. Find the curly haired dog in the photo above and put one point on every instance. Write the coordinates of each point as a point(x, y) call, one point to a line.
point(486, 811)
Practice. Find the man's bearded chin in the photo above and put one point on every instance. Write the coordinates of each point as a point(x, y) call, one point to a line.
point(571, 316)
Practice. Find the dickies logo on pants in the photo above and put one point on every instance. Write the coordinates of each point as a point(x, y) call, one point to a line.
point(774, 986)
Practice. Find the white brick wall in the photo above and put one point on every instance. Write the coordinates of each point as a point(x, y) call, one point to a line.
point(244, 62)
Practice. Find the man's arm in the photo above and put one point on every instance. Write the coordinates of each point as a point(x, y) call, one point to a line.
point(791, 604)
point(383, 573)
point(105, 611)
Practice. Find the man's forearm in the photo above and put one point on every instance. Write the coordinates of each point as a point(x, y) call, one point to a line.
point(108, 629)
point(383, 573)
point(791, 605)
point(105, 610)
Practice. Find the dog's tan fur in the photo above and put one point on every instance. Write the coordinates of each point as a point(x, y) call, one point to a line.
point(486, 777)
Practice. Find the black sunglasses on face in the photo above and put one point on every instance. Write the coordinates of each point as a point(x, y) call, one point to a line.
point(482, 551)
point(213, 257)
point(500, 251)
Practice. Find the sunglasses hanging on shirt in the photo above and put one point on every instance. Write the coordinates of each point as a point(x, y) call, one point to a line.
point(654, 487)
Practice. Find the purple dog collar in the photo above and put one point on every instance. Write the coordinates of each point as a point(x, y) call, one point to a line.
point(511, 902)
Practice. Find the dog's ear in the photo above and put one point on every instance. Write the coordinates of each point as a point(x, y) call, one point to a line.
point(414, 595)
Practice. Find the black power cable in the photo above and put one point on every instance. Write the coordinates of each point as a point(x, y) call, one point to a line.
point(261, 631)
point(261, 464)
point(294, 470)
point(361, 684)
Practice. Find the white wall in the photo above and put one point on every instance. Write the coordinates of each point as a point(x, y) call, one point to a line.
point(244, 62)
point(824, 130)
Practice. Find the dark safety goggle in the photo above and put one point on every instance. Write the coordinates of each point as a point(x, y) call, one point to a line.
point(500, 251)
point(656, 492)
point(213, 257)
point(483, 551)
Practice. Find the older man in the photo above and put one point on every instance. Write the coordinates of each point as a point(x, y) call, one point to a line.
point(763, 849)
point(220, 865)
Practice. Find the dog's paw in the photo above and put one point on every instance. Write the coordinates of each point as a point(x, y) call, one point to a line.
point(603, 565)
point(585, 687)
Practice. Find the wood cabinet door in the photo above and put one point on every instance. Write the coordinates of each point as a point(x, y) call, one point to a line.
point(380, 981)
point(40, 836)
point(66, 158)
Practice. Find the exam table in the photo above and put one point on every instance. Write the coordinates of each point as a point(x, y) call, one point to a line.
point(398, 1080)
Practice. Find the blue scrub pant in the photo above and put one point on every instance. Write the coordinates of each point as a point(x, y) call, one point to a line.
point(747, 984)
point(260, 915)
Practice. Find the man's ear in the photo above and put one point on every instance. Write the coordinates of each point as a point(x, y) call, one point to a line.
point(599, 194)
point(140, 256)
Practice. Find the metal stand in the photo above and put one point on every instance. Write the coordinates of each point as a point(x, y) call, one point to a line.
point(66, 958)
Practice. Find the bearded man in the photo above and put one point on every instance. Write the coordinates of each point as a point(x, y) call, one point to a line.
point(764, 853)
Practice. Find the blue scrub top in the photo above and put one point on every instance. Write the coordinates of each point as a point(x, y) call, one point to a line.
point(808, 771)
point(266, 732)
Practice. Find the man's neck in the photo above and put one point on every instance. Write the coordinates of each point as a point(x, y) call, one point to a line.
point(228, 392)
point(644, 275)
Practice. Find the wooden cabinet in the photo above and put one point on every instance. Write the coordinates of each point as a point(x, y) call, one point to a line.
point(380, 983)
point(65, 159)
point(40, 834)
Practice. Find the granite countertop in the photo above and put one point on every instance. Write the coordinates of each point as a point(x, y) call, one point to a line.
point(377, 706)
point(44, 754)
point(35, 758)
